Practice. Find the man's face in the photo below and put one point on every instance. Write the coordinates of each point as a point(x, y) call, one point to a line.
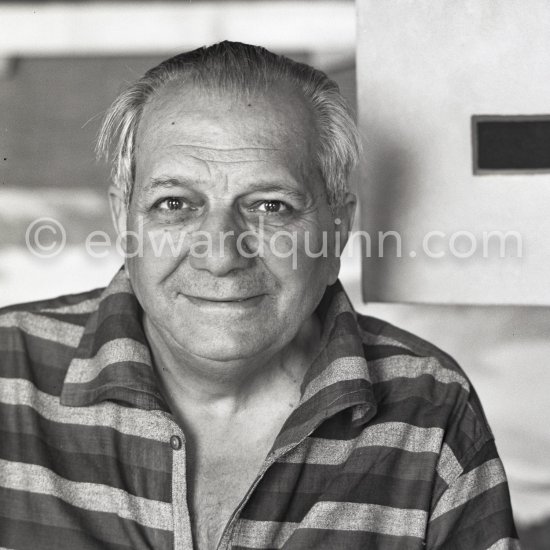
point(231, 206)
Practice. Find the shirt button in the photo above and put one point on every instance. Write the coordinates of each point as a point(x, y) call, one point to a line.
point(175, 443)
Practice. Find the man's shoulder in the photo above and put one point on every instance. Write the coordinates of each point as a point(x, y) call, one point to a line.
point(51, 317)
point(417, 383)
point(38, 339)
point(65, 303)
point(387, 346)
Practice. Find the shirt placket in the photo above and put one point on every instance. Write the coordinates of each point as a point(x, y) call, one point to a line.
point(227, 534)
point(183, 538)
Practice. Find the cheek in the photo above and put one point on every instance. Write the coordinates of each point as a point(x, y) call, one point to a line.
point(151, 257)
point(301, 264)
point(153, 247)
point(166, 246)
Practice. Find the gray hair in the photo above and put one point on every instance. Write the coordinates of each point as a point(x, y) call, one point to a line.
point(236, 67)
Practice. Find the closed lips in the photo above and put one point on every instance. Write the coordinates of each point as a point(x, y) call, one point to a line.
point(228, 299)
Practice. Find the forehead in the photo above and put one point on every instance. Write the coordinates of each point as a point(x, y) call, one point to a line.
point(275, 126)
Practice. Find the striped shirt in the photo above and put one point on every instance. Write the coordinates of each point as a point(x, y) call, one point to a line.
point(387, 449)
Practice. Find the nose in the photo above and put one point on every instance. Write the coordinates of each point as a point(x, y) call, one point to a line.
point(215, 247)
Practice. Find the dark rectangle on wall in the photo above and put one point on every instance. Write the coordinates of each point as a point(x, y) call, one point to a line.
point(511, 144)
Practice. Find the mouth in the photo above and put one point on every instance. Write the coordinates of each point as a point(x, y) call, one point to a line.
point(231, 301)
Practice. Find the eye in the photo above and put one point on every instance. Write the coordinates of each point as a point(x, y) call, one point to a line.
point(171, 203)
point(272, 207)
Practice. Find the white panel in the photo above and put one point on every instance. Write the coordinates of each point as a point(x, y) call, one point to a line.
point(424, 68)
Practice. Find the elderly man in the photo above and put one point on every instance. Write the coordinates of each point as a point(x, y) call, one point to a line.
point(221, 392)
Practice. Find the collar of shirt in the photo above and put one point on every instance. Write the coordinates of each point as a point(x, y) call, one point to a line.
point(113, 362)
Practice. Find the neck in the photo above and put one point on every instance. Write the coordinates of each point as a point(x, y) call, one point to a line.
point(194, 385)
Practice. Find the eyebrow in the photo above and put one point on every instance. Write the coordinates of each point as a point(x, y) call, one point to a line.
point(262, 186)
point(271, 187)
point(169, 181)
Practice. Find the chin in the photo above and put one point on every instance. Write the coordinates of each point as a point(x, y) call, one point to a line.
point(221, 345)
point(224, 351)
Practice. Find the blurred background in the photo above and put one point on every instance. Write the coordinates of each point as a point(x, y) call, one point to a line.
point(415, 73)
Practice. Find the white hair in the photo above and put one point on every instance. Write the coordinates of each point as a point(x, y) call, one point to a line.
point(235, 67)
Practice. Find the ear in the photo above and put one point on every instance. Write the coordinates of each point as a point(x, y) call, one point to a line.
point(343, 217)
point(346, 214)
point(118, 209)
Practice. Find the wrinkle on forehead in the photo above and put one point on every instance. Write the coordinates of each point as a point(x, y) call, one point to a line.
point(275, 129)
point(205, 147)
point(227, 155)
point(280, 112)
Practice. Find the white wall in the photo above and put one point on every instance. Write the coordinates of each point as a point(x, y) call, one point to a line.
point(424, 68)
